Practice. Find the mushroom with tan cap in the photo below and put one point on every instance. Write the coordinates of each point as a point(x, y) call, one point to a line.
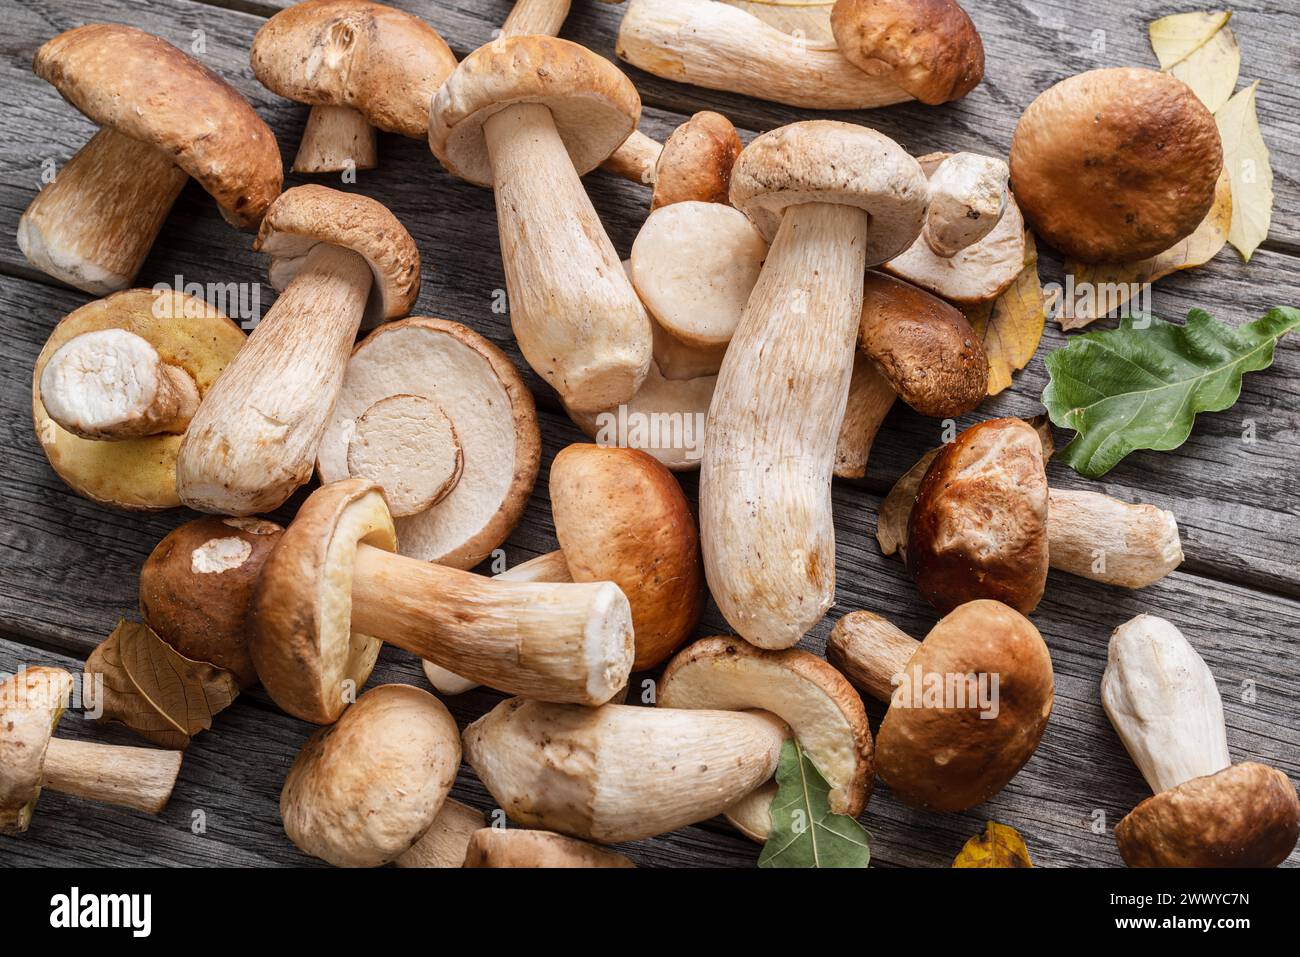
point(514, 847)
point(1116, 165)
point(333, 590)
point(694, 163)
point(985, 525)
point(32, 759)
point(442, 420)
point(528, 116)
point(446, 842)
point(363, 791)
point(338, 258)
point(118, 383)
point(968, 704)
point(163, 118)
point(359, 65)
point(1206, 811)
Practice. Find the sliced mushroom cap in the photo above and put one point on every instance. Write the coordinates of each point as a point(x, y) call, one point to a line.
point(513, 847)
point(407, 445)
point(696, 161)
point(31, 703)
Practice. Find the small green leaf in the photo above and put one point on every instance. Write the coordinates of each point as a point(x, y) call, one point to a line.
point(1141, 388)
point(804, 831)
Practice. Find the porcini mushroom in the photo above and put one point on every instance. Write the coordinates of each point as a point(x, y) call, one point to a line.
point(528, 116)
point(833, 198)
point(1206, 812)
point(635, 160)
point(116, 385)
point(968, 704)
point(513, 847)
point(418, 396)
point(446, 841)
point(332, 590)
point(364, 790)
point(163, 118)
point(32, 759)
point(359, 65)
point(696, 162)
point(1115, 165)
point(337, 258)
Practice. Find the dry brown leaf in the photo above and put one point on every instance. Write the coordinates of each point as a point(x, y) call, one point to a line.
point(998, 846)
point(810, 19)
point(1245, 157)
point(156, 691)
point(1011, 326)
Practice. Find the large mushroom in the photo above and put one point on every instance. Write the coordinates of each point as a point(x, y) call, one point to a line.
point(1206, 811)
point(116, 386)
point(337, 258)
point(163, 118)
point(360, 66)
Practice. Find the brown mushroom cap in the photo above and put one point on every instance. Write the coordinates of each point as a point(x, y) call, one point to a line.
point(1115, 165)
point(1246, 815)
point(951, 759)
point(696, 161)
point(138, 474)
point(384, 63)
point(196, 585)
point(362, 791)
point(594, 105)
point(930, 48)
point(620, 516)
point(925, 347)
point(146, 89)
point(31, 703)
point(515, 847)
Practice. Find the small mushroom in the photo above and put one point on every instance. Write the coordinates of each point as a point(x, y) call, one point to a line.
point(359, 65)
point(333, 589)
point(968, 194)
point(696, 162)
point(117, 384)
point(968, 704)
point(364, 790)
point(32, 759)
point(441, 419)
point(513, 847)
point(163, 119)
point(337, 258)
point(1206, 812)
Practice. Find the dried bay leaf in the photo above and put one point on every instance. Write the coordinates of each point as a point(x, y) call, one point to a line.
point(1175, 38)
point(805, 832)
point(998, 846)
point(1245, 157)
point(1011, 326)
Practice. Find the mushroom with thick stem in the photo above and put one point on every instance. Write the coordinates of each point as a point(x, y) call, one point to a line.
point(1206, 812)
point(359, 65)
point(332, 590)
point(968, 704)
point(117, 384)
point(514, 847)
point(163, 119)
point(338, 258)
point(834, 198)
point(31, 759)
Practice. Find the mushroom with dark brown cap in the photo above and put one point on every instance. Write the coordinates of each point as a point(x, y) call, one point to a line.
point(32, 759)
point(952, 737)
point(1115, 165)
point(163, 118)
point(360, 66)
point(515, 847)
point(696, 162)
point(363, 791)
point(337, 258)
point(116, 386)
point(333, 589)
point(1206, 812)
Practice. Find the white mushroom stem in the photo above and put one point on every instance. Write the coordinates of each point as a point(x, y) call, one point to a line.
point(95, 224)
point(620, 772)
point(254, 438)
point(765, 496)
point(535, 18)
point(140, 778)
point(566, 642)
point(968, 194)
point(1164, 704)
point(335, 139)
point(445, 842)
point(112, 384)
point(636, 159)
point(574, 313)
point(871, 652)
point(720, 47)
point(870, 398)
point(1099, 537)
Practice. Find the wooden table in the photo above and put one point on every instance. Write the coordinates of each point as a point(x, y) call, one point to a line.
point(70, 567)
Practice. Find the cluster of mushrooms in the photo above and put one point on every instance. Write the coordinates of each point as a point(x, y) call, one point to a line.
point(790, 288)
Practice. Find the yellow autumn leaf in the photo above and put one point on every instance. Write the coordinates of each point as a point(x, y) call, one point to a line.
point(810, 19)
point(1011, 326)
point(1245, 157)
point(1177, 37)
point(1212, 70)
point(998, 846)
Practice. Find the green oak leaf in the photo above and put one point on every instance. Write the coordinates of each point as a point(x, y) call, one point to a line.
point(1141, 388)
point(805, 833)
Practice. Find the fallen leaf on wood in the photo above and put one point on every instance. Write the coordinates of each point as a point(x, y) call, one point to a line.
point(1011, 326)
point(1175, 38)
point(805, 832)
point(1211, 71)
point(1245, 157)
point(998, 846)
point(809, 19)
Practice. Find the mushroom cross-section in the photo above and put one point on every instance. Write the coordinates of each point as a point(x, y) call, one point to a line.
point(1206, 812)
point(163, 119)
point(834, 198)
point(968, 704)
point(332, 590)
point(31, 759)
point(337, 258)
